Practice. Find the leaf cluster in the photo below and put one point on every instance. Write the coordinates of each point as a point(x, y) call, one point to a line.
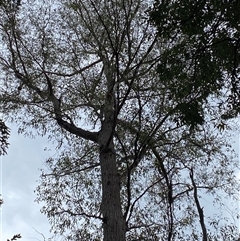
point(202, 55)
point(15, 237)
point(4, 135)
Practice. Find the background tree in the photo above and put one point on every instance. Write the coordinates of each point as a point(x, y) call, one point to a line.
point(202, 58)
point(4, 135)
point(133, 161)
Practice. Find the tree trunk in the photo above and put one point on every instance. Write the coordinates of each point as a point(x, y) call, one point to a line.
point(114, 226)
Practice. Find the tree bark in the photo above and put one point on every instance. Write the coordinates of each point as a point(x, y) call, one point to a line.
point(114, 225)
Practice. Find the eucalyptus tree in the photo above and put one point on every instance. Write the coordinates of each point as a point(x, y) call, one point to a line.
point(129, 166)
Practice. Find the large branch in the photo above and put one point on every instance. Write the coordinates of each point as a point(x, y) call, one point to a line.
point(68, 126)
point(75, 72)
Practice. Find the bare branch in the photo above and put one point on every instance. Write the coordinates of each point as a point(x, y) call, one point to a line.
point(199, 208)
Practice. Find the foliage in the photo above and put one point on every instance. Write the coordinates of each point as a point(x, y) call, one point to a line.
point(203, 53)
point(4, 135)
point(126, 105)
point(15, 237)
point(161, 192)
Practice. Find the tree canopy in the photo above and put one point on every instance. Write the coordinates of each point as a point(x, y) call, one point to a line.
point(203, 57)
point(131, 93)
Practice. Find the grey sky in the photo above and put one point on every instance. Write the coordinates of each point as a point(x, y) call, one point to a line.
point(20, 214)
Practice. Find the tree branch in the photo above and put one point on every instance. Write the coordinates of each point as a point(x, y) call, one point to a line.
point(200, 210)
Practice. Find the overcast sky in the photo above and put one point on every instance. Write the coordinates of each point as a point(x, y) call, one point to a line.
point(20, 214)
